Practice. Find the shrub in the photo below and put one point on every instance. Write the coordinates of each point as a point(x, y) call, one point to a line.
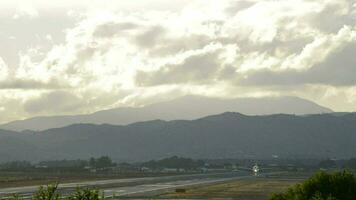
point(47, 193)
point(87, 194)
point(50, 193)
point(15, 197)
point(322, 186)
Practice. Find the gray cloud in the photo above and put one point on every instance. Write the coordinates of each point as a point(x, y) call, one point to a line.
point(338, 69)
point(194, 69)
point(333, 17)
point(112, 29)
point(57, 101)
point(117, 58)
point(172, 46)
point(19, 84)
point(150, 37)
point(236, 6)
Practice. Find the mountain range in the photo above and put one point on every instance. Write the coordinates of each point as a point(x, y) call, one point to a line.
point(184, 108)
point(227, 135)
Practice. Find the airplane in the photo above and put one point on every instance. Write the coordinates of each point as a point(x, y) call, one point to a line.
point(255, 169)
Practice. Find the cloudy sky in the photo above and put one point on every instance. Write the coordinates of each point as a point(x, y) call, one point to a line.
point(67, 57)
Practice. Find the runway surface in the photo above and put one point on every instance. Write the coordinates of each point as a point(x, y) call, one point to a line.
point(133, 187)
point(151, 190)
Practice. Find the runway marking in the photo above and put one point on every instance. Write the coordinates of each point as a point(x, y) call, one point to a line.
point(180, 185)
point(163, 183)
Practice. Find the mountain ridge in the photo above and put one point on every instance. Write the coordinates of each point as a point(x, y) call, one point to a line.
point(187, 107)
point(226, 135)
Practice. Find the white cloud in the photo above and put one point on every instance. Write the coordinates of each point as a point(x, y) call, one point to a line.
point(49, 37)
point(3, 70)
point(113, 57)
point(330, 61)
point(25, 9)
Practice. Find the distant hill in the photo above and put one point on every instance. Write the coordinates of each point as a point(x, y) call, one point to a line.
point(228, 135)
point(186, 108)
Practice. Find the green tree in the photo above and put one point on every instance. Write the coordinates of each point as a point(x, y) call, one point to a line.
point(352, 163)
point(327, 164)
point(16, 166)
point(15, 197)
point(92, 162)
point(87, 194)
point(50, 193)
point(104, 162)
point(322, 186)
point(47, 193)
point(175, 162)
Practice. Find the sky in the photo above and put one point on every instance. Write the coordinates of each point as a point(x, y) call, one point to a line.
point(63, 57)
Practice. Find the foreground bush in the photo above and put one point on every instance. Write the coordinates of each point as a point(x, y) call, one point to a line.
point(322, 186)
point(50, 193)
point(87, 194)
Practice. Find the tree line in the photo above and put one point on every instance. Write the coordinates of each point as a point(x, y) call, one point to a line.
point(92, 163)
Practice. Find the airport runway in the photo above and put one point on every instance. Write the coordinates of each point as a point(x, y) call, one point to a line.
point(151, 190)
point(133, 187)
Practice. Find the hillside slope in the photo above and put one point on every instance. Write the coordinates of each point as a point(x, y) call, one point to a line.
point(228, 135)
point(185, 108)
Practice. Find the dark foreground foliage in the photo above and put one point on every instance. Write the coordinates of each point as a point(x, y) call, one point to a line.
point(322, 186)
point(47, 193)
point(51, 193)
point(87, 194)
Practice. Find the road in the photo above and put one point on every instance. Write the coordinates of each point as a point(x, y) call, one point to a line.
point(133, 187)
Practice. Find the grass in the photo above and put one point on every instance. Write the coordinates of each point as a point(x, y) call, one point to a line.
point(19, 179)
point(22, 179)
point(256, 189)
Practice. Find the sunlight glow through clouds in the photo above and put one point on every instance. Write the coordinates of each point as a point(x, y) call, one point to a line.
point(122, 53)
point(3, 70)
